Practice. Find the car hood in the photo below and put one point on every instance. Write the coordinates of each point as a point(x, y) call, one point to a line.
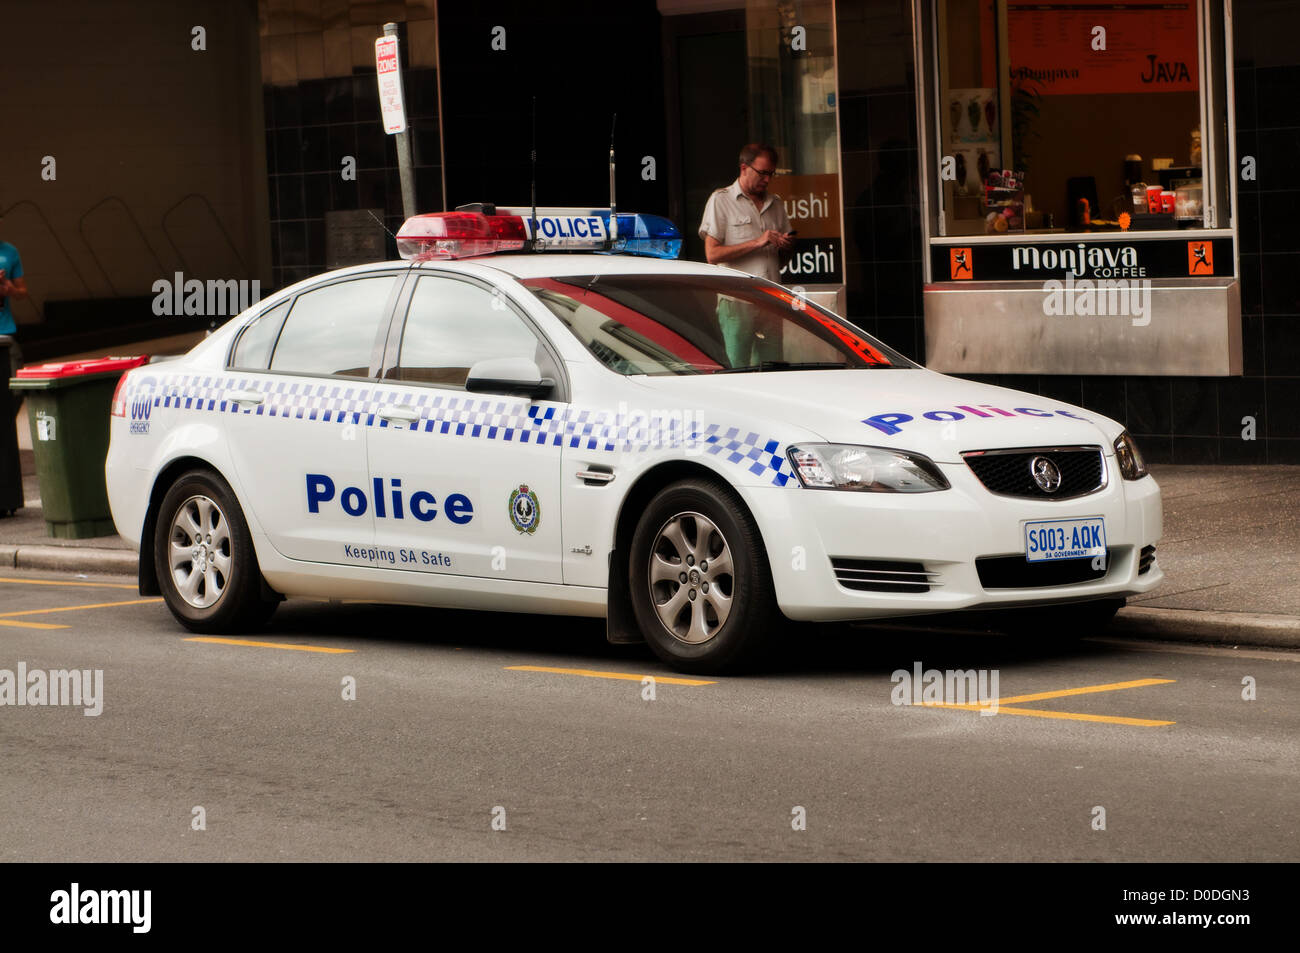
point(889, 408)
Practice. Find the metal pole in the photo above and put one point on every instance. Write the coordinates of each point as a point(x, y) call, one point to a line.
point(404, 171)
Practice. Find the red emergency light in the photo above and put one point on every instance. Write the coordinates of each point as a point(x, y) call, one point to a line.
point(459, 235)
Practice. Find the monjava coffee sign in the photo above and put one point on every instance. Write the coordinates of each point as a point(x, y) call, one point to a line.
point(1127, 258)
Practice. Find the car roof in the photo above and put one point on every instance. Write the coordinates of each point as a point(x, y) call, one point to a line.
point(563, 265)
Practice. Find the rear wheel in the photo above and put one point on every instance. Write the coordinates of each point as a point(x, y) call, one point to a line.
point(203, 555)
point(699, 580)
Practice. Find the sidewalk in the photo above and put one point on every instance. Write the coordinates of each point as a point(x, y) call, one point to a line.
point(1230, 552)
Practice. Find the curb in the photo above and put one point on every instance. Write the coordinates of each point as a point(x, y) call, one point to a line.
point(1215, 628)
point(116, 562)
point(1142, 624)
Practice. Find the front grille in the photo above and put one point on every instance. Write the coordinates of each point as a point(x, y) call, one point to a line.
point(1146, 558)
point(1008, 472)
point(882, 575)
point(1013, 572)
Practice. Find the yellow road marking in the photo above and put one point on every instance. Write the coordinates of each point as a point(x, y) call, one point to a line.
point(1069, 715)
point(94, 605)
point(32, 625)
point(1004, 705)
point(1112, 687)
point(60, 582)
point(592, 673)
point(269, 645)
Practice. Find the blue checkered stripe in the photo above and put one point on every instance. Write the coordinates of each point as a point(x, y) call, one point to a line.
point(478, 418)
point(760, 457)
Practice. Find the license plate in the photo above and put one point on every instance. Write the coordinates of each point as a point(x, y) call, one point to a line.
point(1047, 540)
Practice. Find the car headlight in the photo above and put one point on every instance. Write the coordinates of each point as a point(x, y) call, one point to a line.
point(1129, 457)
point(839, 466)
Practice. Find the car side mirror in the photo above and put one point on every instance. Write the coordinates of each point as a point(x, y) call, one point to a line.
point(508, 375)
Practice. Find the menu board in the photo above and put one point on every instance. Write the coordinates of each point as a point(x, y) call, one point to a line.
point(1149, 47)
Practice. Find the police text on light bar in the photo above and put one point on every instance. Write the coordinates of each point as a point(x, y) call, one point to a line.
point(467, 234)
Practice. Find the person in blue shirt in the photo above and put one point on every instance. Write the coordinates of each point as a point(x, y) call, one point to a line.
point(12, 285)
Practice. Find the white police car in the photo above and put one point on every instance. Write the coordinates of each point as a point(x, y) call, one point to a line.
point(687, 451)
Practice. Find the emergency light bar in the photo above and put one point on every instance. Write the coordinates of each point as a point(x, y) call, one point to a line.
point(467, 234)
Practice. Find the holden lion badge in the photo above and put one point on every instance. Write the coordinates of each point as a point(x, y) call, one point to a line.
point(525, 511)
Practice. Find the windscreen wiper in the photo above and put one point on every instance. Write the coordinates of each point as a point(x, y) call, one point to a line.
point(784, 366)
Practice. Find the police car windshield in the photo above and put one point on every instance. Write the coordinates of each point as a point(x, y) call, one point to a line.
point(705, 324)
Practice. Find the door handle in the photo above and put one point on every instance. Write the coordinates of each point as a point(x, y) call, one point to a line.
point(401, 414)
point(246, 397)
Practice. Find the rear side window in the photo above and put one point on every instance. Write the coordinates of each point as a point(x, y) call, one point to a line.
point(253, 350)
point(331, 330)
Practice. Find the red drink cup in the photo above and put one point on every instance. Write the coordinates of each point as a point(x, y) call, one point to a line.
point(1153, 199)
point(1167, 202)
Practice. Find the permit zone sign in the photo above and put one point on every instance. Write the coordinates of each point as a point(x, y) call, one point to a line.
point(388, 70)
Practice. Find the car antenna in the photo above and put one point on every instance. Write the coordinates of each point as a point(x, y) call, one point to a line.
point(381, 224)
point(533, 183)
point(613, 212)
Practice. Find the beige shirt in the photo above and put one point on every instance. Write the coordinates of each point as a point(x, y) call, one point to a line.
point(731, 217)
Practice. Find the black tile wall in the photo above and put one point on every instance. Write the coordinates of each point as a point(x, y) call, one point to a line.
point(1283, 400)
point(1067, 389)
point(1107, 397)
point(1284, 451)
point(1194, 450)
point(487, 109)
point(1194, 408)
point(313, 125)
point(1243, 404)
point(1185, 420)
point(879, 168)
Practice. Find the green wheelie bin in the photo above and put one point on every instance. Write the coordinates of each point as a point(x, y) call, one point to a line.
point(68, 407)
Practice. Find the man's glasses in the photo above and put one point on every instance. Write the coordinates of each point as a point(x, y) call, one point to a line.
point(765, 173)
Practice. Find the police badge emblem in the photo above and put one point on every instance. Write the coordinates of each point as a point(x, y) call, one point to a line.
point(525, 511)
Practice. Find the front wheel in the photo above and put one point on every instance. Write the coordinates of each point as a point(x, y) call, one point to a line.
point(204, 558)
point(699, 579)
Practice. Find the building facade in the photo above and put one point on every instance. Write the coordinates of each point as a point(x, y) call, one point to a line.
point(1091, 201)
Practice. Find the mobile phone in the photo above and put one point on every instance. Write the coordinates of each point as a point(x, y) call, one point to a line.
point(791, 234)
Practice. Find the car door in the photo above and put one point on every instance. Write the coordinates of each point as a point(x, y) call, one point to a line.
point(301, 385)
point(471, 481)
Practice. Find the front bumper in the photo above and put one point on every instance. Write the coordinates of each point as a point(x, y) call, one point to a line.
point(946, 532)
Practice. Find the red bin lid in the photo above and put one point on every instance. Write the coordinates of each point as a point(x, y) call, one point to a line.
point(97, 365)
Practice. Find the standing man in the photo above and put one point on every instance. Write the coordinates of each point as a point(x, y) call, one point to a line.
point(746, 228)
point(12, 285)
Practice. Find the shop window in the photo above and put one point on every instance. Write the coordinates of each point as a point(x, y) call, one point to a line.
point(792, 105)
point(1076, 116)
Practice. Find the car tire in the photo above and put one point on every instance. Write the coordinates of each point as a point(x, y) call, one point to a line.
point(700, 617)
point(203, 555)
point(1077, 620)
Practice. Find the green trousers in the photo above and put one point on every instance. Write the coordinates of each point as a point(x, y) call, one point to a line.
point(749, 336)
